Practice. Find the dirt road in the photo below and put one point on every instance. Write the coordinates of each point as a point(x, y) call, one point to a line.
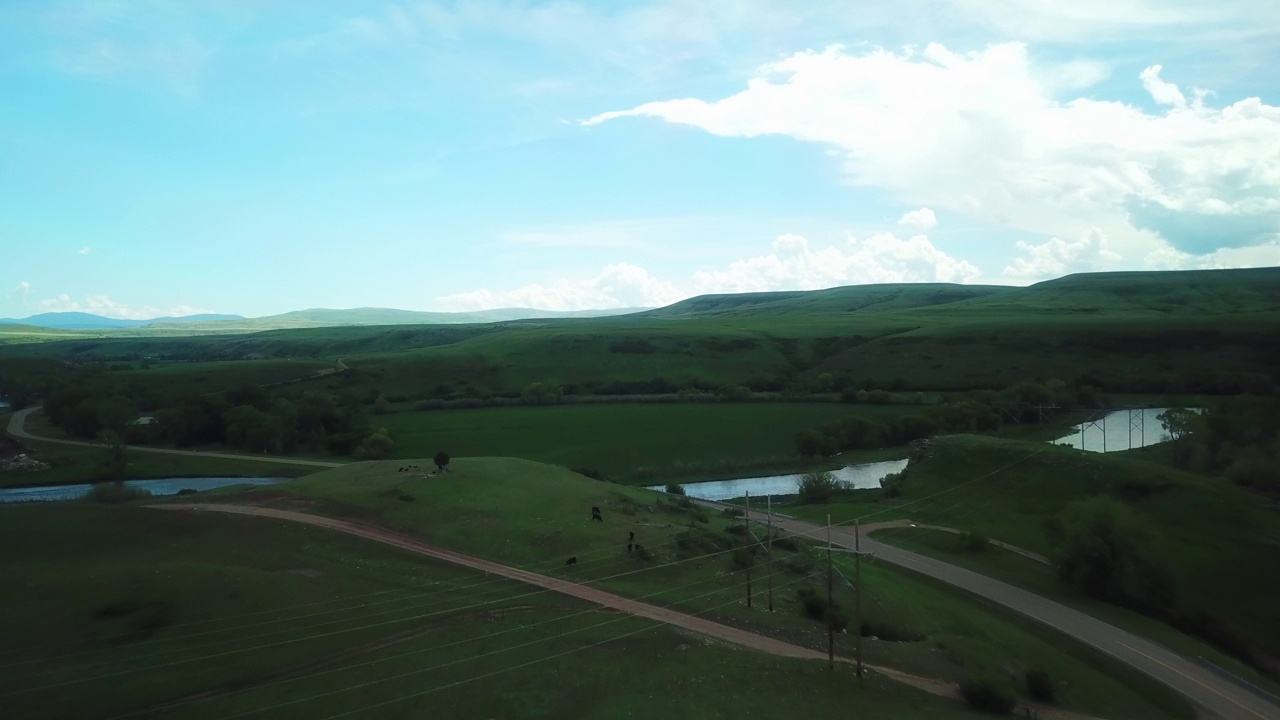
point(698, 625)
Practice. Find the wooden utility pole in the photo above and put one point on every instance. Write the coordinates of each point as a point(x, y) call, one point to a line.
point(769, 529)
point(857, 594)
point(831, 619)
point(747, 541)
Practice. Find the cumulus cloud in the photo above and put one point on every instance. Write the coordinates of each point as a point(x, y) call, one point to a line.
point(1056, 257)
point(792, 264)
point(983, 134)
point(1165, 93)
point(922, 219)
point(86, 250)
point(617, 285)
point(20, 291)
point(105, 306)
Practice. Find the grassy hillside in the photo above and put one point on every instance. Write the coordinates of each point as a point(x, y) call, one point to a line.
point(532, 515)
point(1127, 332)
point(1214, 533)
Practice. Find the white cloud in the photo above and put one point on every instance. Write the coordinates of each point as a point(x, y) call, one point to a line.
point(982, 134)
point(1165, 93)
point(792, 265)
point(922, 219)
point(1056, 257)
point(617, 285)
point(105, 306)
point(86, 250)
point(1265, 255)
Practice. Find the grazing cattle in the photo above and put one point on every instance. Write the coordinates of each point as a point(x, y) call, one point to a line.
point(572, 561)
point(628, 548)
point(631, 536)
point(595, 514)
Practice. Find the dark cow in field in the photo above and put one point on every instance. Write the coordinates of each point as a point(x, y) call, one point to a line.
point(631, 536)
point(595, 514)
point(572, 561)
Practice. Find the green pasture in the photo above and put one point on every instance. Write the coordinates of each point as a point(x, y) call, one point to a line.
point(532, 515)
point(635, 443)
point(1215, 534)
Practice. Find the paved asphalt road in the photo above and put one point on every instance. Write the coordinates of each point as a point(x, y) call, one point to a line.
point(1214, 695)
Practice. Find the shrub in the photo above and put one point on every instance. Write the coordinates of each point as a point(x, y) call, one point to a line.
point(1111, 553)
point(892, 484)
point(733, 512)
point(643, 553)
point(889, 633)
point(675, 489)
point(1039, 686)
point(972, 541)
point(813, 604)
point(590, 472)
point(115, 492)
point(985, 696)
point(742, 558)
point(786, 543)
point(819, 487)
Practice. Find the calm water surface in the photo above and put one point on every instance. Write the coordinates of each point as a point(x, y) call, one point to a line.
point(160, 486)
point(866, 475)
point(1124, 430)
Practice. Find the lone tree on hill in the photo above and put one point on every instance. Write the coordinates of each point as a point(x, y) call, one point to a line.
point(442, 460)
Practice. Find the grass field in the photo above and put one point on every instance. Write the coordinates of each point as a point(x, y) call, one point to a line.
point(113, 610)
point(1214, 533)
point(630, 443)
point(542, 517)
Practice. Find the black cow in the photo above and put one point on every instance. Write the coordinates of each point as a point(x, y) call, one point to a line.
point(572, 561)
point(628, 548)
point(595, 514)
point(631, 536)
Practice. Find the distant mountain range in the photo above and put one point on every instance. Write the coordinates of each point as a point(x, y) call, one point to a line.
point(89, 321)
point(317, 317)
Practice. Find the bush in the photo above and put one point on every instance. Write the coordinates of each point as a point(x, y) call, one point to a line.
point(643, 553)
point(786, 543)
point(813, 604)
point(675, 489)
point(972, 541)
point(1039, 686)
point(819, 487)
point(115, 492)
point(742, 559)
point(892, 484)
point(1111, 553)
point(985, 696)
point(889, 633)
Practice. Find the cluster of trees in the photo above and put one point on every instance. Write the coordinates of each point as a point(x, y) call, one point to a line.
point(973, 412)
point(249, 418)
point(1109, 552)
point(1237, 437)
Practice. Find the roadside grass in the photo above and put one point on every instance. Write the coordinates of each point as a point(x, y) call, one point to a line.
point(535, 516)
point(1042, 579)
point(631, 443)
point(1215, 534)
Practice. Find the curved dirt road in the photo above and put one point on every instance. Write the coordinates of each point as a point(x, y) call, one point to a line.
point(1213, 695)
point(19, 419)
point(604, 598)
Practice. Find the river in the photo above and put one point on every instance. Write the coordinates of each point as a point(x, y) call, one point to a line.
point(160, 486)
point(1118, 430)
point(866, 475)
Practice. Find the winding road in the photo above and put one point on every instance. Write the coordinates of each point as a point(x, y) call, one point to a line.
point(1214, 695)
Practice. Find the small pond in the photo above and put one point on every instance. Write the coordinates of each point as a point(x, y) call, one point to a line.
point(866, 475)
point(1118, 430)
point(160, 486)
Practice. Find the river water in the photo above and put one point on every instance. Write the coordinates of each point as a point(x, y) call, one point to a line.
point(160, 486)
point(1118, 430)
point(866, 475)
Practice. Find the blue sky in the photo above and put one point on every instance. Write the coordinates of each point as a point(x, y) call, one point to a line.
point(234, 156)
